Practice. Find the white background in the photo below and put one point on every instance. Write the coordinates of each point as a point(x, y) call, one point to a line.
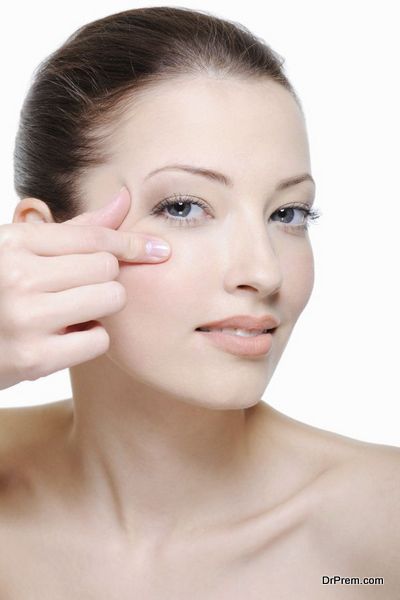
point(340, 368)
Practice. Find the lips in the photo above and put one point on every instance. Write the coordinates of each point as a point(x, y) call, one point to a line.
point(243, 322)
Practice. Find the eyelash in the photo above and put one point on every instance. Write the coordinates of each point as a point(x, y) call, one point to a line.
point(310, 214)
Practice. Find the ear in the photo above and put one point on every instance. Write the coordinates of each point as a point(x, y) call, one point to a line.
point(32, 210)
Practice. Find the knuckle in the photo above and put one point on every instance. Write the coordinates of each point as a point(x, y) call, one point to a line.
point(134, 245)
point(97, 237)
point(111, 265)
point(9, 236)
point(27, 361)
point(118, 293)
point(13, 318)
point(11, 275)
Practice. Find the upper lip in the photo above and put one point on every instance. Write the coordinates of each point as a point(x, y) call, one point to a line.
point(244, 322)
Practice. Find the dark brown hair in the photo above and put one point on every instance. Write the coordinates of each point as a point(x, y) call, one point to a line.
point(80, 90)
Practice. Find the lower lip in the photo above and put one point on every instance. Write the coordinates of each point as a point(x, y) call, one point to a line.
point(256, 345)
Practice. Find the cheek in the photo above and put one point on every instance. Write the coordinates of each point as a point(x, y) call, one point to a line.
point(154, 292)
point(156, 326)
point(159, 299)
point(298, 280)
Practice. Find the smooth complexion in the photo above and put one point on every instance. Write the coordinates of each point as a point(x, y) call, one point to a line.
point(164, 433)
point(165, 475)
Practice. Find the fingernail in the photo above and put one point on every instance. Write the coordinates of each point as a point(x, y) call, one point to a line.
point(157, 248)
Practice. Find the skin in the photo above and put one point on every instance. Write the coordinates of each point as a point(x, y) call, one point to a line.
point(165, 465)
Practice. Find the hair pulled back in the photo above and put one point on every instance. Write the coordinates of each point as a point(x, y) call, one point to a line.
point(80, 90)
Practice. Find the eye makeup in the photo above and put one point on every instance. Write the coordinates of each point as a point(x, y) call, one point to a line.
point(180, 202)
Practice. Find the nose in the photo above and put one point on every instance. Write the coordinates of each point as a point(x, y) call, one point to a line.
point(253, 262)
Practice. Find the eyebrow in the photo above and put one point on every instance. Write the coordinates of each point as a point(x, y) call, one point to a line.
point(224, 179)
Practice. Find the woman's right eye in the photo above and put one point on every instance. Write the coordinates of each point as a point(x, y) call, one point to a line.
point(181, 206)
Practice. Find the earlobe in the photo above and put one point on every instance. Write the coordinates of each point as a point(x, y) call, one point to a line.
point(32, 210)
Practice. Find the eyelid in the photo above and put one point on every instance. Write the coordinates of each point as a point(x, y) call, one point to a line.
point(309, 213)
point(185, 199)
point(181, 197)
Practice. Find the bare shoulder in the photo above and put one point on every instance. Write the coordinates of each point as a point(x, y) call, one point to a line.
point(367, 482)
point(27, 427)
point(358, 518)
point(354, 502)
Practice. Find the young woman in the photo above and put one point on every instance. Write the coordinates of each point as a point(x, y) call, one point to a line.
point(166, 475)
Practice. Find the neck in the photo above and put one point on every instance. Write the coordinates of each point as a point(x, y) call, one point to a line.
point(156, 462)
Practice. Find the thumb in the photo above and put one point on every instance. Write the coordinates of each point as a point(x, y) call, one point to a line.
point(111, 215)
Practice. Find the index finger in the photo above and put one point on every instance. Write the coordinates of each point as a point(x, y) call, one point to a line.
point(55, 239)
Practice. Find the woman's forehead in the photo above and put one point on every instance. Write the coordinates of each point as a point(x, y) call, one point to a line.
point(215, 115)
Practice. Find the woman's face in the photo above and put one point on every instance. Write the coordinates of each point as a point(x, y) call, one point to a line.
point(232, 255)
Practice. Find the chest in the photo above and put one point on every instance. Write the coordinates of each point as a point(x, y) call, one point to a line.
point(49, 565)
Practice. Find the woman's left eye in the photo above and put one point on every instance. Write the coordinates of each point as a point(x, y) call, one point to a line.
point(180, 205)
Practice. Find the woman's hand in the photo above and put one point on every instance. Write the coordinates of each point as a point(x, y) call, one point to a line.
point(56, 279)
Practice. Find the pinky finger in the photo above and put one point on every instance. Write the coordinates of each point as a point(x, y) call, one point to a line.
point(71, 349)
